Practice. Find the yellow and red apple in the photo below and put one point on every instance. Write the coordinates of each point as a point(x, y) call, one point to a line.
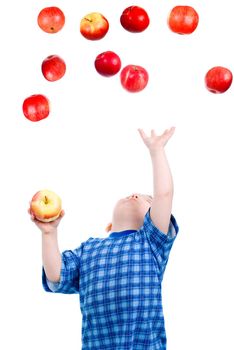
point(46, 205)
point(94, 26)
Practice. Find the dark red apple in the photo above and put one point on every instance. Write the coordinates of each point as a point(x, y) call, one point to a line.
point(51, 19)
point(94, 26)
point(134, 19)
point(36, 107)
point(183, 19)
point(218, 79)
point(134, 78)
point(107, 63)
point(53, 68)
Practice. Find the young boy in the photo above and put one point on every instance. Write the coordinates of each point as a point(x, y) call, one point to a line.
point(119, 277)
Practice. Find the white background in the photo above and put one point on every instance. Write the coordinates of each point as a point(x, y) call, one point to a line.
point(89, 152)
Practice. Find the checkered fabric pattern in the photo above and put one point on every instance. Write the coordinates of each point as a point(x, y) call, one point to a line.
point(119, 280)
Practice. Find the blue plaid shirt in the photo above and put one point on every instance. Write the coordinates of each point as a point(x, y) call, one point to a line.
point(119, 280)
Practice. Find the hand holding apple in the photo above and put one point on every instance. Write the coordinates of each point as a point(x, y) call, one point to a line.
point(45, 206)
point(47, 227)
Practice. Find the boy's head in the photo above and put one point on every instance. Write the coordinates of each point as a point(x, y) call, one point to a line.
point(129, 212)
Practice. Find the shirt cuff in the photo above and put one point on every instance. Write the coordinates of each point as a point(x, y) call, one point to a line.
point(48, 285)
point(53, 286)
point(163, 237)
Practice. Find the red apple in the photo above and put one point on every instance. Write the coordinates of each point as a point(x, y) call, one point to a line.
point(183, 19)
point(218, 79)
point(46, 205)
point(134, 19)
point(107, 63)
point(36, 107)
point(134, 78)
point(53, 68)
point(94, 26)
point(51, 19)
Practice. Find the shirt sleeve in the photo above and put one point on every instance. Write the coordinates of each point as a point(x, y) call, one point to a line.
point(69, 275)
point(160, 242)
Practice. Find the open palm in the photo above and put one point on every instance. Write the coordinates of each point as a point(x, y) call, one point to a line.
point(154, 141)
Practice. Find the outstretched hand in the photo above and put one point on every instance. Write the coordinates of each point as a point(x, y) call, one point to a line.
point(155, 142)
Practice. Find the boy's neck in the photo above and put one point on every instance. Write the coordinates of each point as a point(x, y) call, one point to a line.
point(117, 227)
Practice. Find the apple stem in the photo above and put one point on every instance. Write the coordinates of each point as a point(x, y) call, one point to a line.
point(46, 200)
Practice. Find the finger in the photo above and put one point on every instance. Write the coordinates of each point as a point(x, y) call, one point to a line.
point(153, 133)
point(142, 133)
point(168, 133)
point(30, 212)
point(60, 216)
point(171, 130)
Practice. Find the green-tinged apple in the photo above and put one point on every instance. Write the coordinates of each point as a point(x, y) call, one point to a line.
point(46, 205)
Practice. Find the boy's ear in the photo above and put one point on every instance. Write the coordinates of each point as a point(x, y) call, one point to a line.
point(109, 227)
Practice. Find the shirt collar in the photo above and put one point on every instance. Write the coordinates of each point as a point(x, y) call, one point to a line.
point(121, 233)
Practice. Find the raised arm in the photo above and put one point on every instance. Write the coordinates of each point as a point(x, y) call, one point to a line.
point(51, 256)
point(160, 211)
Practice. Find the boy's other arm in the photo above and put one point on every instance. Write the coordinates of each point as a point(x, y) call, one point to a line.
point(51, 256)
point(161, 207)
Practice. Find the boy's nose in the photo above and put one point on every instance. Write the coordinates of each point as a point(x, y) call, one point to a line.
point(134, 195)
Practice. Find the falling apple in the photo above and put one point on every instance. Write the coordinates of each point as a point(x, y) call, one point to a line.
point(134, 78)
point(183, 19)
point(36, 107)
point(107, 63)
point(218, 79)
point(94, 26)
point(53, 68)
point(51, 19)
point(134, 19)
